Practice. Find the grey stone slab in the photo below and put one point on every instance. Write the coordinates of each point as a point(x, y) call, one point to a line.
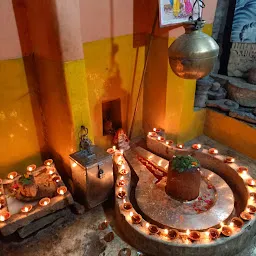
point(42, 222)
point(17, 221)
point(245, 116)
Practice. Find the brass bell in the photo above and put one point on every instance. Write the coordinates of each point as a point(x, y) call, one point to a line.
point(193, 54)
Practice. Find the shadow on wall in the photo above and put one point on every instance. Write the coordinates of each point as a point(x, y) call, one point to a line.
point(38, 30)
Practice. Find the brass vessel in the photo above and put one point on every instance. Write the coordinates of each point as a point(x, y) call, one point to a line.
point(193, 54)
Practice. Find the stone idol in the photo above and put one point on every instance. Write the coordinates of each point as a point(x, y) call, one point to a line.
point(232, 95)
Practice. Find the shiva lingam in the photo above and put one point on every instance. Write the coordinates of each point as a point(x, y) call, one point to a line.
point(183, 180)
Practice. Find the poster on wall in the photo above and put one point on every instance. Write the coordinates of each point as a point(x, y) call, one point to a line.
point(176, 11)
point(244, 22)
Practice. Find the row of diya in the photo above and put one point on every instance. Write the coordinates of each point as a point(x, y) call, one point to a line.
point(61, 190)
point(187, 237)
point(242, 170)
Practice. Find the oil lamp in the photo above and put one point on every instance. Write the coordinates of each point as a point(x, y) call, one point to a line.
point(50, 171)
point(127, 206)
point(251, 182)
point(31, 168)
point(237, 222)
point(245, 215)
point(226, 231)
point(12, 175)
point(213, 151)
point(48, 162)
point(121, 193)
point(5, 216)
point(242, 170)
point(62, 190)
point(180, 146)
point(194, 235)
point(213, 233)
point(26, 208)
point(121, 182)
point(173, 234)
point(153, 229)
point(136, 218)
point(229, 160)
point(44, 201)
point(196, 146)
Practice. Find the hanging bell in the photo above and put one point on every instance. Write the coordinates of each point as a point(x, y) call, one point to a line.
point(193, 54)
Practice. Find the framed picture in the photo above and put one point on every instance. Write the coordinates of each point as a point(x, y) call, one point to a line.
point(177, 11)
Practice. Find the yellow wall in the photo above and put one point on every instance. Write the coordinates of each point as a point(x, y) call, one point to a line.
point(231, 132)
point(18, 133)
point(113, 70)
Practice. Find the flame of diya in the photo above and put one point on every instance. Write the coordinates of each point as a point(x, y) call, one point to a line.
point(31, 168)
point(12, 175)
point(196, 146)
point(229, 159)
point(48, 162)
point(26, 208)
point(62, 190)
point(251, 182)
point(44, 201)
point(56, 178)
point(213, 151)
point(245, 215)
point(5, 216)
point(180, 146)
point(226, 231)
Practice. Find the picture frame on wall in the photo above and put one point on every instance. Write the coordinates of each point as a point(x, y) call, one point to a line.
point(173, 12)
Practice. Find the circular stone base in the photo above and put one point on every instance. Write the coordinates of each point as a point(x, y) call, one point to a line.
point(214, 204)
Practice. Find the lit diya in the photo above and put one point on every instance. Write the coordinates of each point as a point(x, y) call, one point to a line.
point(123, 171)
point(213, 233)
point(253, 196)
point(50, 171)
point(242, 170)
point(5, 216)
point(48, 162)
point(173, 234)
point(180, 146)
point(196, 146)
point(152, 134)
point(213, 151)
point(103, 225)
point(12, 175)
point(127, 206)
point(44, 201)
point(26, 208)
point(169, 142)
point(237, 222)
point(121, 194)
point(251, 182)
point(229, 160)
point(160, 138)
point(1, 191)
point(245, 215)
point(226, 231)
point(56, 178)
point(111, 151)
point(194, 235)
point(62, 190)
point(31, 168)
point(251, 209)
point(121, 182)
point(136, 218)
point(153, 229)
